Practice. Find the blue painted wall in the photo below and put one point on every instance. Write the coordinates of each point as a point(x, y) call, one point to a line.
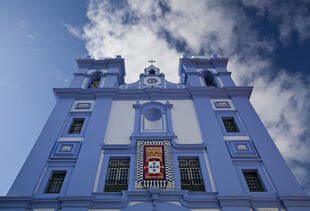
point(220, 161)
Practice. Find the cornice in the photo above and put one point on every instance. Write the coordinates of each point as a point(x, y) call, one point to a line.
point(83, 63)
point(295, 200)
point(154, 93)
point(186, 198)
point(205, 61)
point(222, 73)
point(239, 90)
point(233, 200)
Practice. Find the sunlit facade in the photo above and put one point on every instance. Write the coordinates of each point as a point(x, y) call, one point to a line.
point(154, 145)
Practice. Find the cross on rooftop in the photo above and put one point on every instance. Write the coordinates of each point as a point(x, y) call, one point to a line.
point(151, 61)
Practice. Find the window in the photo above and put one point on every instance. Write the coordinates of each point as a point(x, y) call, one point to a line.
point(95, 82)
point(152, 72)
point(230, 125)
point(117, 177)
point(76, 126)
point(209, 79)
point(182, 162)
point(55, 182)
point(190, 174)
point(253, 181)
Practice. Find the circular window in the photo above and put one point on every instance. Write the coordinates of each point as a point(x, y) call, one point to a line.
point(152, 80)
point(152, 114)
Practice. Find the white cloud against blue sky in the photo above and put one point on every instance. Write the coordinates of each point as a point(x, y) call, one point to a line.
point(267, 42)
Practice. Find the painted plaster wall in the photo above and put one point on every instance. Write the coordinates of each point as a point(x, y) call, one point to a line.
point(185, 122)
point(122, 118)
point(121, 123)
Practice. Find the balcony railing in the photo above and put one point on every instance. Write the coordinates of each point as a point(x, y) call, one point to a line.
point(192, 185)
point(54, 186)
point(75, 129)
point(112, 185)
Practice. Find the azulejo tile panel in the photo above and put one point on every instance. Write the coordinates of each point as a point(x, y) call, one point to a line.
point(154, 165)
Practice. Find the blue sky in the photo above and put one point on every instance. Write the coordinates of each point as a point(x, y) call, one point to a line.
point(268, 43)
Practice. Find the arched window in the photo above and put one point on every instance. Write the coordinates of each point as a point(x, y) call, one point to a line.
point(209, 79)
point(95, 80)
point(152, 72)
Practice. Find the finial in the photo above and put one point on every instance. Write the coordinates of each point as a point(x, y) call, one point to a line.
point(152, 61)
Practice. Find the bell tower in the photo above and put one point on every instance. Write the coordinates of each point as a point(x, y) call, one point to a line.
point(153, 145)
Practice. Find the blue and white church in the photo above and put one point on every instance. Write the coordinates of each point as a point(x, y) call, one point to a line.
point(153, 145)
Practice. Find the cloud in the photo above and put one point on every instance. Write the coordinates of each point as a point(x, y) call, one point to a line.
point(8, 84)
point(164, 30)
point(107, 35)
point(21, 24)
point(73, 30)
point(30, 36)
point(290, 16)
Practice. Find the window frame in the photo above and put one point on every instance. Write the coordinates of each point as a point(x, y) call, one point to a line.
point(46, 175)
point(93, 77)
point(69, 121)
point(118, 185)
point(227, 114)
point(258, 178)
point(48, 185)
point(233, 128)
point(209, 76)
point(76, 125)
point(263, 175)
point(191, 186)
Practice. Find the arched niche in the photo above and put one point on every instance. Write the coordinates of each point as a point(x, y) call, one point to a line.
point(209, 78)
point(153, 118)
point(94, 80)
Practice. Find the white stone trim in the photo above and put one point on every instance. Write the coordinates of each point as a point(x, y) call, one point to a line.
point(201, 82)
point(84, 83)
point(70, 138)
point(40, 180)
point(212, 70)
point(220, 81)
point(269, 180)
point(92, 102)
point(135, 202)
point(44, 209)
point(91, 71)
point(102, 82)
point(209, 170)
point(241, 122)
point(95, 188)
point(175, 202)
point(266, 209)
point(232, 106)
point(236, 138)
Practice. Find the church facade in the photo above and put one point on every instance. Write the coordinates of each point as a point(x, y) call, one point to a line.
point(196, 145)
